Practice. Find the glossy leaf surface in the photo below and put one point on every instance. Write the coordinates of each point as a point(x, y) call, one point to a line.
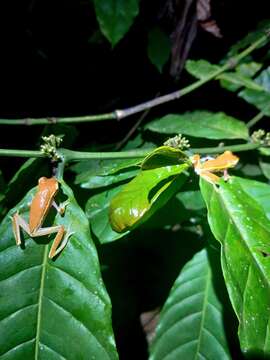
point(191, 322)
point(201, 124)
point(99, 173)
point(115, 17)
point(239, 223)
point(97, 211)
point(53, 309)
point(163, 156)
point(259, 191)
point(144, 195)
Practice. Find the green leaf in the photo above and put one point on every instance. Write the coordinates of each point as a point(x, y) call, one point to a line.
point(159, 48)
point(203, 124)
point(239, 223)
point(249, 39)
point(191, 321)
point(191, 200)
point(264, 151)
point(115, 17)
point(248, 69)
point(104, 167)
point(163, 156)
point(53, 309)
point(97, 211)
point(265, 167)
point(99, 173)
point(233, 81)
point(87, 181)
point(145, 194)
point(201, 69)
point(259, 191)
point(259, 98)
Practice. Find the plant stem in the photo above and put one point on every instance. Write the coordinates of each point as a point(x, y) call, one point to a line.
point(21, 153)
point(220, 149)
point(120, 114)
point(70, 155)
point(255, 119)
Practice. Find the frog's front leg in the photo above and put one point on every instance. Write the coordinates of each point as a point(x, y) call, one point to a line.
point(60, 208)
point(17, 222)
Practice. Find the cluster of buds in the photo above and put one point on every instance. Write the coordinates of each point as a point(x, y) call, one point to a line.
point(51, 143)
point(261, 137)
point(178, 142)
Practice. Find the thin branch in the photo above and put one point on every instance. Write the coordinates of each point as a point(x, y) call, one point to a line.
point(62, 120)
point(120, 114)
point(255, 119)
point(133, 129)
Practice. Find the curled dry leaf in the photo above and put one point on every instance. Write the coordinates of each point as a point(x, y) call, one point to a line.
point(204, 18)
point(149, 322)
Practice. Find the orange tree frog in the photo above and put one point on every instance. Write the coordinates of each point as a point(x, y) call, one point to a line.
point(39, 208)
point(207, 168)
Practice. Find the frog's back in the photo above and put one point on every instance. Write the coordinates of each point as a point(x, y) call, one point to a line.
point(41, 203)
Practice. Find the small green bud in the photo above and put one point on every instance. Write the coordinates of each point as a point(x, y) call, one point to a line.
point(178, 142)
point(51, 143)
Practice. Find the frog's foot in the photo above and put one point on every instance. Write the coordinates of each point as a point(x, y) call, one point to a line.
point(60, 208)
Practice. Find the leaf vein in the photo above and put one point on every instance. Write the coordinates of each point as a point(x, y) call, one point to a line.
point(79, 321)
point(74, 278)
point(17, 346)
point(16, 312)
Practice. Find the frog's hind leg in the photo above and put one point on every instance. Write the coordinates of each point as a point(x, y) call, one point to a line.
point(60, 230)
point(59, 244)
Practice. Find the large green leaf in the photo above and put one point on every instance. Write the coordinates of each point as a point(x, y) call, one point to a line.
point(97, 211)
point(201, 124)
point(191, 321)
point(143, 195)
point(115, 17)
point(53, 309)
point(239, 223)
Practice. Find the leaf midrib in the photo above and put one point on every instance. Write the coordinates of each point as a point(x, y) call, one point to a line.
point(40, 300)
point(203, 312)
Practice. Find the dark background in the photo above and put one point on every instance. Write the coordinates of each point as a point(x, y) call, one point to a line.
point(50, 64)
